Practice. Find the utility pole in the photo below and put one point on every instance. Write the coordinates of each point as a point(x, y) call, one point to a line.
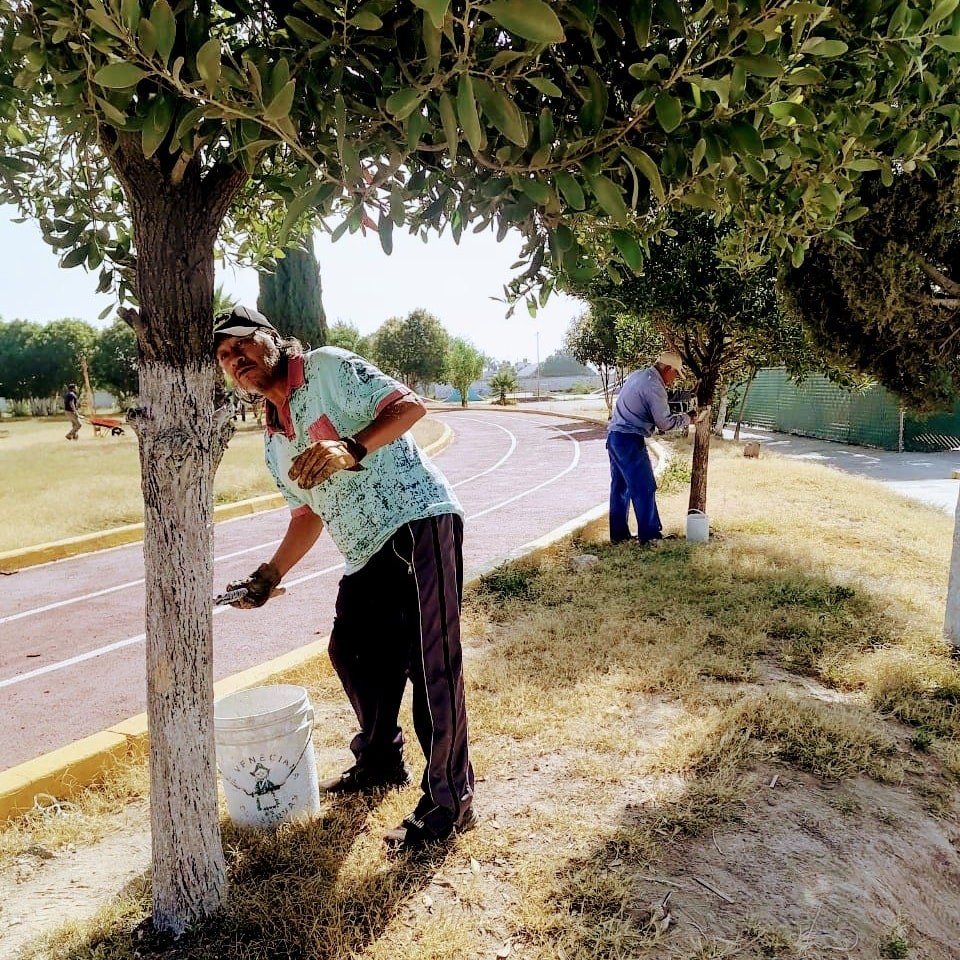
point(538, 364)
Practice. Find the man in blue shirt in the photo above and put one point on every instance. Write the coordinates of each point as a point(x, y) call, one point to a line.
point(641, 408)
point(338, 447)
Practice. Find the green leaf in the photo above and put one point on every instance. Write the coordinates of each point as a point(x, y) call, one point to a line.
point(437, 9)
point(75, 257)
point(467, 112)
point(502, 112)
point(538, 192)
point(864, 164)
point(119, 76)
point(164, 27)
point(940, 11)
point(609, 196)
point(760, 65)
point(208, 63)
point(448, 118)
point(568, 186)
point(304, 30)
point(366, 20)
point(402, 103)
point(130, 14)
point(669, 11)
point(669, 111)
point(547, 87)
point(951, 44)
point(385, 232)
point(787, 109)
point(803, 77)
point(530, 19)
point(280, 105)
point(744, 138)
point(157, 125)
point(821, 47)
point(629, 249)
point(117, 117)
point(796, 255)
point(644, 163)
point(701, 201)
point(104, 21)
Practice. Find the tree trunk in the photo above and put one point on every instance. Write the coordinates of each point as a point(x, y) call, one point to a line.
point(183, 424)
point(722, 413)
point(701, 459)
point(706, 392)
point(951, 623)
point(743, 402)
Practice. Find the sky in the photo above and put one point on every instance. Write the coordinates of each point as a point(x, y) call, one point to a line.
point(361, 285)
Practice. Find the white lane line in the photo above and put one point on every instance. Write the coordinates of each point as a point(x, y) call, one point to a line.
point(113, 589)
point(120, 644)
point(35, 611)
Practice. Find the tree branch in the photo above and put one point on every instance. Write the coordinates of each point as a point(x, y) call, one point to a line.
point(938, 277)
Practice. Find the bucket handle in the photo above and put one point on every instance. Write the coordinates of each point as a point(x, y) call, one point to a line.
point(693, 511)
point(290, 772)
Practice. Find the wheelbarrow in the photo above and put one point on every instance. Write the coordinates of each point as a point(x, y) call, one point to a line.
point(106, 423)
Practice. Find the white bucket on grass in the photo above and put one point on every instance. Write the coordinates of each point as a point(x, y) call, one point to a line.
point(265, 755)
point(698, 526)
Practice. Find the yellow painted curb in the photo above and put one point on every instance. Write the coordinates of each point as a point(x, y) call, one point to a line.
point(133, 532)
point(60, 773)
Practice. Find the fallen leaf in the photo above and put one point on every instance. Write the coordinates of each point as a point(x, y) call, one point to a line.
point(504, 951)
point(427, 900)
point(475, 865)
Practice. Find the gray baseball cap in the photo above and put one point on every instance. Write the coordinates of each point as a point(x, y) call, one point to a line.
point(240, 322)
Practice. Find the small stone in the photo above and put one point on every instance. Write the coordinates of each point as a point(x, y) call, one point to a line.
point(583, 562)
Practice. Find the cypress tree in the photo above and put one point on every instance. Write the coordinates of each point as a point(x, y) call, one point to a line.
point(291, 296)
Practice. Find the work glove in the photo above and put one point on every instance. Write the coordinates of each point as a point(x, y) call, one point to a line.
point(261, 585)
point(321, 460)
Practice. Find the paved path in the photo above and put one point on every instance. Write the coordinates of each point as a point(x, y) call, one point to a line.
point(921, 476)
point(71, 633)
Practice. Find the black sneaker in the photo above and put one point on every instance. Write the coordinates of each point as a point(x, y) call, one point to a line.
point(367, 780)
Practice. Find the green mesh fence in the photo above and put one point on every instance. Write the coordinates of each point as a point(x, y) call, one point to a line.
point(818, 408)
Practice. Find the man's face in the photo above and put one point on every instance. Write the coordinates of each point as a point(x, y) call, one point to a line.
point(251, 362)
point(669, 375)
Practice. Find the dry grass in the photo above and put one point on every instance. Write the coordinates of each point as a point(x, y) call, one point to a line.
point(620, 715)
point(53, 489)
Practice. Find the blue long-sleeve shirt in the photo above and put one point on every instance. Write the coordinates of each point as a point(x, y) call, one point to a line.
point(642, 406)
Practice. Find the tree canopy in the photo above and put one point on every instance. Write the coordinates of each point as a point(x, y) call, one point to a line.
point(890, 303)
point(463, 364)
point(412, 348)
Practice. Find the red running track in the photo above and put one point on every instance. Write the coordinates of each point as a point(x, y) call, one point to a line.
point(71, 632)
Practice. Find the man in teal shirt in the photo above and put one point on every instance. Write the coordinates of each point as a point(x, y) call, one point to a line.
point(337, 444)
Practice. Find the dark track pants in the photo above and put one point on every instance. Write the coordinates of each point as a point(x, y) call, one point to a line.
point(632, 481)
point(399, 617)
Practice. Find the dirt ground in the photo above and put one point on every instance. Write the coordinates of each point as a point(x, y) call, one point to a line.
point(807, 869)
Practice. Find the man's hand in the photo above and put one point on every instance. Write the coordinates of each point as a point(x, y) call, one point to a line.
point(319, 462)
point(261, 585)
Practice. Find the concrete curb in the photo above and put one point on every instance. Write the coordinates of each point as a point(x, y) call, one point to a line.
point(11, 560)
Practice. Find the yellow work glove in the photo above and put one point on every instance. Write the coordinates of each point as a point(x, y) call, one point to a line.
point(321, 460)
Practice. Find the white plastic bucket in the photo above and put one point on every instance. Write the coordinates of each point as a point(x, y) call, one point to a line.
point(698, 526)
point(265, 755)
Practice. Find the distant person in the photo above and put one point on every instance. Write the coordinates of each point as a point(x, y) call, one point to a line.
point(337, 443)
point(72, 408)
point(641, 408)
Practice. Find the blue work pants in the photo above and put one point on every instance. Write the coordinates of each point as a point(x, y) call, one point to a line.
point(632, 481)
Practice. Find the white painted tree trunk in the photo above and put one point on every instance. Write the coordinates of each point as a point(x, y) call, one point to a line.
point(177, 438)
point(722, 414)
point(951, 623)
